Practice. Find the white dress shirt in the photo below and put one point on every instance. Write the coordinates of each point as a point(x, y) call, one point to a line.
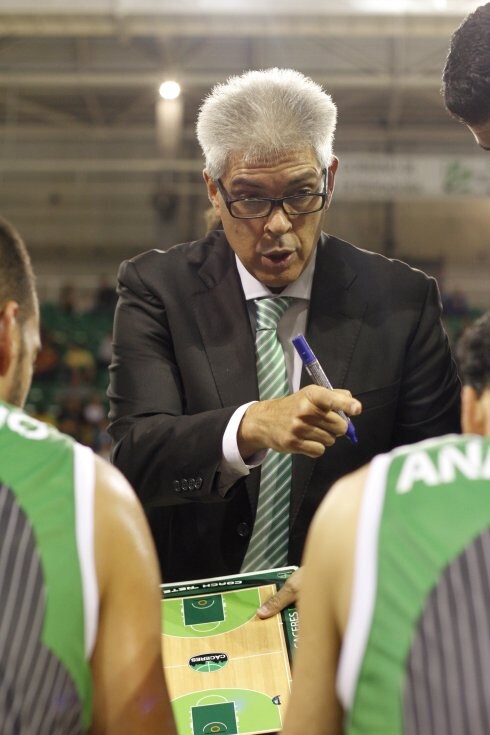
point(292, 322)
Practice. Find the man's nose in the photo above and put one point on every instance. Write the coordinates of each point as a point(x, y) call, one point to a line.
point(278, 221)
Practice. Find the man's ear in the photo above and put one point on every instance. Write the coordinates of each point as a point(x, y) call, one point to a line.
point(212, 191)
point(472, 414)
point(332, 170)
point(8, 322)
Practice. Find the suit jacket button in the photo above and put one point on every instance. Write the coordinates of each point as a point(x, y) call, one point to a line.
point(183, 484)
point(176, 485)
point(198, 482)
point(243, 529)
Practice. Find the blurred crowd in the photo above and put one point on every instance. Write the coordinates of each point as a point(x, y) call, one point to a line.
point(71, 370)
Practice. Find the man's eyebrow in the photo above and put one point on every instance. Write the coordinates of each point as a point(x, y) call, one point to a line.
point(244, 183)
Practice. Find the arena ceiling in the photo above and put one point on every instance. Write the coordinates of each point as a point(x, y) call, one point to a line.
point(79, 139)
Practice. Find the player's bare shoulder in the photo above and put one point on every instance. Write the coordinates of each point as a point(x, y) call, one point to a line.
point(121, 530)
point(115, 499)
point(111, 484)
point(342, 503)
point(332, 534)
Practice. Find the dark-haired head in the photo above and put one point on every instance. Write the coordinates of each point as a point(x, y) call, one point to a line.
point(19, 317)
point(16, 275)
point(466, 74)
point(473, 354)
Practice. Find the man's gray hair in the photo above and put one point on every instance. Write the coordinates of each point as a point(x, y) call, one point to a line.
point(262, 115)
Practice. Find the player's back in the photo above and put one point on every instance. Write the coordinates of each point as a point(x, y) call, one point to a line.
point(416, 652)
point(48, 588)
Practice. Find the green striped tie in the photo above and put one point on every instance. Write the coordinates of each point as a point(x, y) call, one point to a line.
point(268, 546)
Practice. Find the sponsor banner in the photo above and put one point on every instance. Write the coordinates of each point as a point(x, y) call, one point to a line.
point(378, 176)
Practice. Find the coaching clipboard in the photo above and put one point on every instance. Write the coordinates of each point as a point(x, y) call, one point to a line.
point(227, 671)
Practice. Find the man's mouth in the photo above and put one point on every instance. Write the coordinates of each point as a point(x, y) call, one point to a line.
point(278, 256)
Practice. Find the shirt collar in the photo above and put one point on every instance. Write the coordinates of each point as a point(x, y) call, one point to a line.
point(299, 289)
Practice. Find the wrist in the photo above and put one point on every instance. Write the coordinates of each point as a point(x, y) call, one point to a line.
point(250, 439)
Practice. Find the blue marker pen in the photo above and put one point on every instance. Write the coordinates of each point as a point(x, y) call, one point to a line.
point(315, 371)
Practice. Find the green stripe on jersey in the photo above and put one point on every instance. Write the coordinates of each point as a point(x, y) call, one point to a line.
point(437, 500)
point(38, 467)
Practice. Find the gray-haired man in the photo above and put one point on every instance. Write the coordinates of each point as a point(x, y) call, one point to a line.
point(190, 423)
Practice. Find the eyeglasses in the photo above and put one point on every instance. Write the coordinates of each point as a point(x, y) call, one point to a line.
point(256, 207)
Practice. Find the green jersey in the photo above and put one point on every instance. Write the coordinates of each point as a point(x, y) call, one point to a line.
point(48, 587)
point(416, 653)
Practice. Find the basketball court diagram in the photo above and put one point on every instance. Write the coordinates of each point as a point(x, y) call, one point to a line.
point(227, 671)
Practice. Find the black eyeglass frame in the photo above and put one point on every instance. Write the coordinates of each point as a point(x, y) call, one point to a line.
point(274, 201)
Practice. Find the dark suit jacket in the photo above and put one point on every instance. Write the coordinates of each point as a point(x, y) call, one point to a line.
point(184, 361)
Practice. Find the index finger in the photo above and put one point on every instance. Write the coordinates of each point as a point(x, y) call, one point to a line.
point(337, 399)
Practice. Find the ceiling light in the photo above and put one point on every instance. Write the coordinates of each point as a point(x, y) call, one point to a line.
point(169, 90)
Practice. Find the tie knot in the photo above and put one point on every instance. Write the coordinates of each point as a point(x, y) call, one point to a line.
point(270, 310)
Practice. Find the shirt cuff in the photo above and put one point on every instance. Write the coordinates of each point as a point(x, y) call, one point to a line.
point(232, 465)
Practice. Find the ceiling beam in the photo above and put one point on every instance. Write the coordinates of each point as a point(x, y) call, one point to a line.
point(133, 80)
point(91, 165)
point(208, 25)
point(45, 112)
point(450, 133)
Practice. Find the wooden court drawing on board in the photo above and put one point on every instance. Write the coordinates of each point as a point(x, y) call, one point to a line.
point(228, 672)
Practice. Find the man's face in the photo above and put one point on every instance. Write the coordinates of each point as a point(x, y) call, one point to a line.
point(27, 345)
point(481, 133)
point(277, 248)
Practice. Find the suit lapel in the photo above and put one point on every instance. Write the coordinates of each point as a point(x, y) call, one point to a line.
point(223, 319)
point(336, 312)
point(222, 316)
point(335, 318)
